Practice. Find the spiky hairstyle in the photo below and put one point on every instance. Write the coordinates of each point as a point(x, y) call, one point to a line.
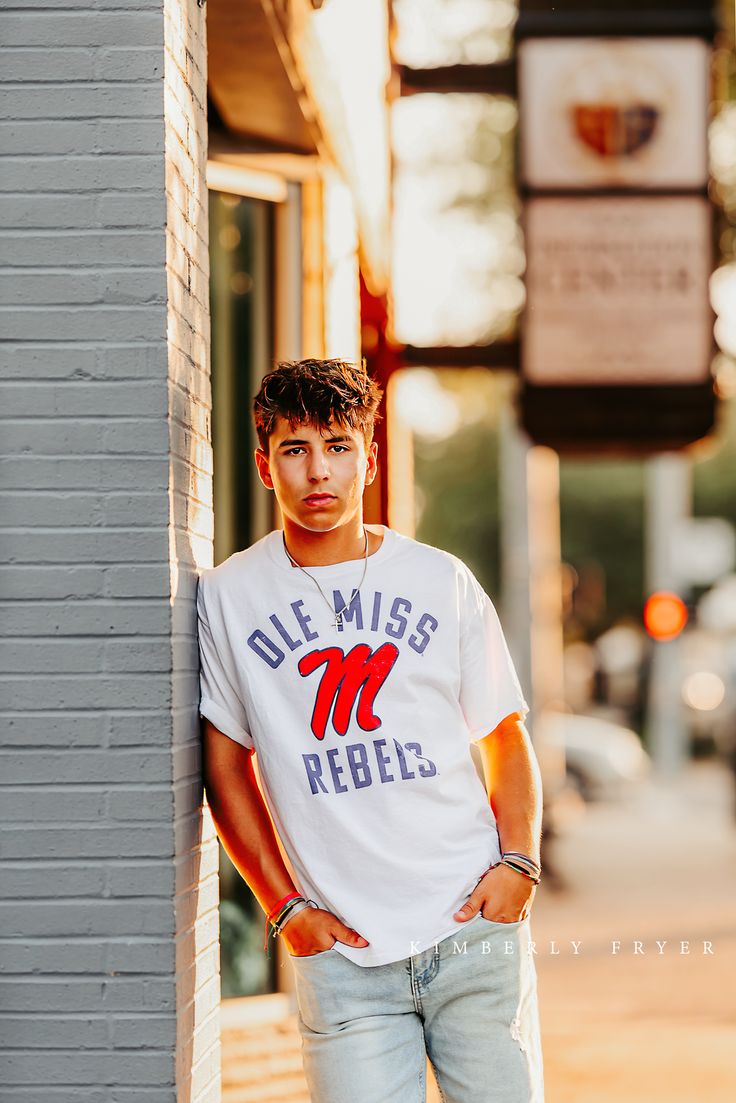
point(319, 392)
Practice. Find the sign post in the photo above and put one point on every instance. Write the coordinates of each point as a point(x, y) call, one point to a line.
point(617, 332)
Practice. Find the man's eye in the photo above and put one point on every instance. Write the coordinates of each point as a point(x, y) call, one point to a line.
point(293, 451)
point(340, 448)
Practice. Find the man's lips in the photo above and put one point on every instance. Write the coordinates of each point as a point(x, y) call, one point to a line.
point(319, 499)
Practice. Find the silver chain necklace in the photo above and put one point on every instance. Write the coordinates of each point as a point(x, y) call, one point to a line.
point(337, 623)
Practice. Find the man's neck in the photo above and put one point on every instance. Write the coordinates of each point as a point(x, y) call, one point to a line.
point(319, 549)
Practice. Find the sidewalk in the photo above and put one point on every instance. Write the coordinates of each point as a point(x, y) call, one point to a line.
point(643, 1027)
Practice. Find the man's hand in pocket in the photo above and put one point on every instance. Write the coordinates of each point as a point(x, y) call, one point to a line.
point(503, 896)
point(313, 930)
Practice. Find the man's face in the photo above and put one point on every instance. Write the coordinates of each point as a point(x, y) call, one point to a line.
point(318, 478)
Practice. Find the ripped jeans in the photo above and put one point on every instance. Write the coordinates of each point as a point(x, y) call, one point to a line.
point(469, 1003)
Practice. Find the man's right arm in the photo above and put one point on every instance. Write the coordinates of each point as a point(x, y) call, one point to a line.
point(246, 832)
point(241, 817)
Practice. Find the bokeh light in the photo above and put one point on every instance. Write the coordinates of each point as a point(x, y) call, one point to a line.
point(703, 690)
point(665, 615)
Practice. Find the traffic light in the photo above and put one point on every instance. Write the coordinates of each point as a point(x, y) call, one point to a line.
point(665, 615)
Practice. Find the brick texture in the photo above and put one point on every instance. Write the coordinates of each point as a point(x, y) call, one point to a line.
point(109, 967)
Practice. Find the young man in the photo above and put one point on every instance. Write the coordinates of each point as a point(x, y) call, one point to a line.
point(361, 665)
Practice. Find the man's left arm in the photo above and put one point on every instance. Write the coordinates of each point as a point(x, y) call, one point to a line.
point(514, 785)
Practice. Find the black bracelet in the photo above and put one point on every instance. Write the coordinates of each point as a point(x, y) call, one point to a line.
point(520, 869)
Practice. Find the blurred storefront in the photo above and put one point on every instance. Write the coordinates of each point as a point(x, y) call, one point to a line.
point(562, 194)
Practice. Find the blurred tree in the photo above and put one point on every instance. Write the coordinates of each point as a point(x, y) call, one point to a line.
point(714, 476)
point(458, 480)
point(602, 520)
point(457, 476)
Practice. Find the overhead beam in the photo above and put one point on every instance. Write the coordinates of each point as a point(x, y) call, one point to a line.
point(501, 354)
point(498, 79)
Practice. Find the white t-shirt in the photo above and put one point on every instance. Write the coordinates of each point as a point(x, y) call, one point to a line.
point(363, 731)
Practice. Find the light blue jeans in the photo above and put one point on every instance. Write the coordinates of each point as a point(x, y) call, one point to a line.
point(469, 1003)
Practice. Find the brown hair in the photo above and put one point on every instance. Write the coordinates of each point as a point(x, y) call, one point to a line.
point(319, 392)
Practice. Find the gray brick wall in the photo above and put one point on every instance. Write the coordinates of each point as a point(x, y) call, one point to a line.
point(109, 986)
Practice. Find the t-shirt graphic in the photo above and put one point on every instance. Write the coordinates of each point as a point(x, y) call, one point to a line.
point(363, 729)
point(351, 678)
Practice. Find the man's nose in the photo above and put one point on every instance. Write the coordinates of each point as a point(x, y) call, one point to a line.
point(318, 467)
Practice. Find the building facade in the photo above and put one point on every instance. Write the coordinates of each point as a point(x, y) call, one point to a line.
point(110, 986)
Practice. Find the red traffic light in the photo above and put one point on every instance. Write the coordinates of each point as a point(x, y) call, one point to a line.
point(665, 615)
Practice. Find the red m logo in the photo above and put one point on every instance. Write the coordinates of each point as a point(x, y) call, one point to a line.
point(357, 675)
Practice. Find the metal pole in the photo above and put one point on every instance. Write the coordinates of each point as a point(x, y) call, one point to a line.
point(668, 504)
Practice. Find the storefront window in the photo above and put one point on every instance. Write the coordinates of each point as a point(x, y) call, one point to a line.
point(241, 303)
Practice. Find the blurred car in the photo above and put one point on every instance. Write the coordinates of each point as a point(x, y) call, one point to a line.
point(602, 759)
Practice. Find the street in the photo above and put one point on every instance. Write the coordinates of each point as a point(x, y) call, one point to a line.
point(649, 1026)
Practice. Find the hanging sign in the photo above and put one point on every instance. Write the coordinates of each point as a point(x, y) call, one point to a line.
point(617, 291)
point(614, 112)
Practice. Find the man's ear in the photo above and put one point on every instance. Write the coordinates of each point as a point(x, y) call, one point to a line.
point(372, 465)
point(264, 470)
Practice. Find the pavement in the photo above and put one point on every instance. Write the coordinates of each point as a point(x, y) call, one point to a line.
point(646, 1024)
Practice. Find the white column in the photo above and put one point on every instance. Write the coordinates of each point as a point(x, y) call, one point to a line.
point(531, 581)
